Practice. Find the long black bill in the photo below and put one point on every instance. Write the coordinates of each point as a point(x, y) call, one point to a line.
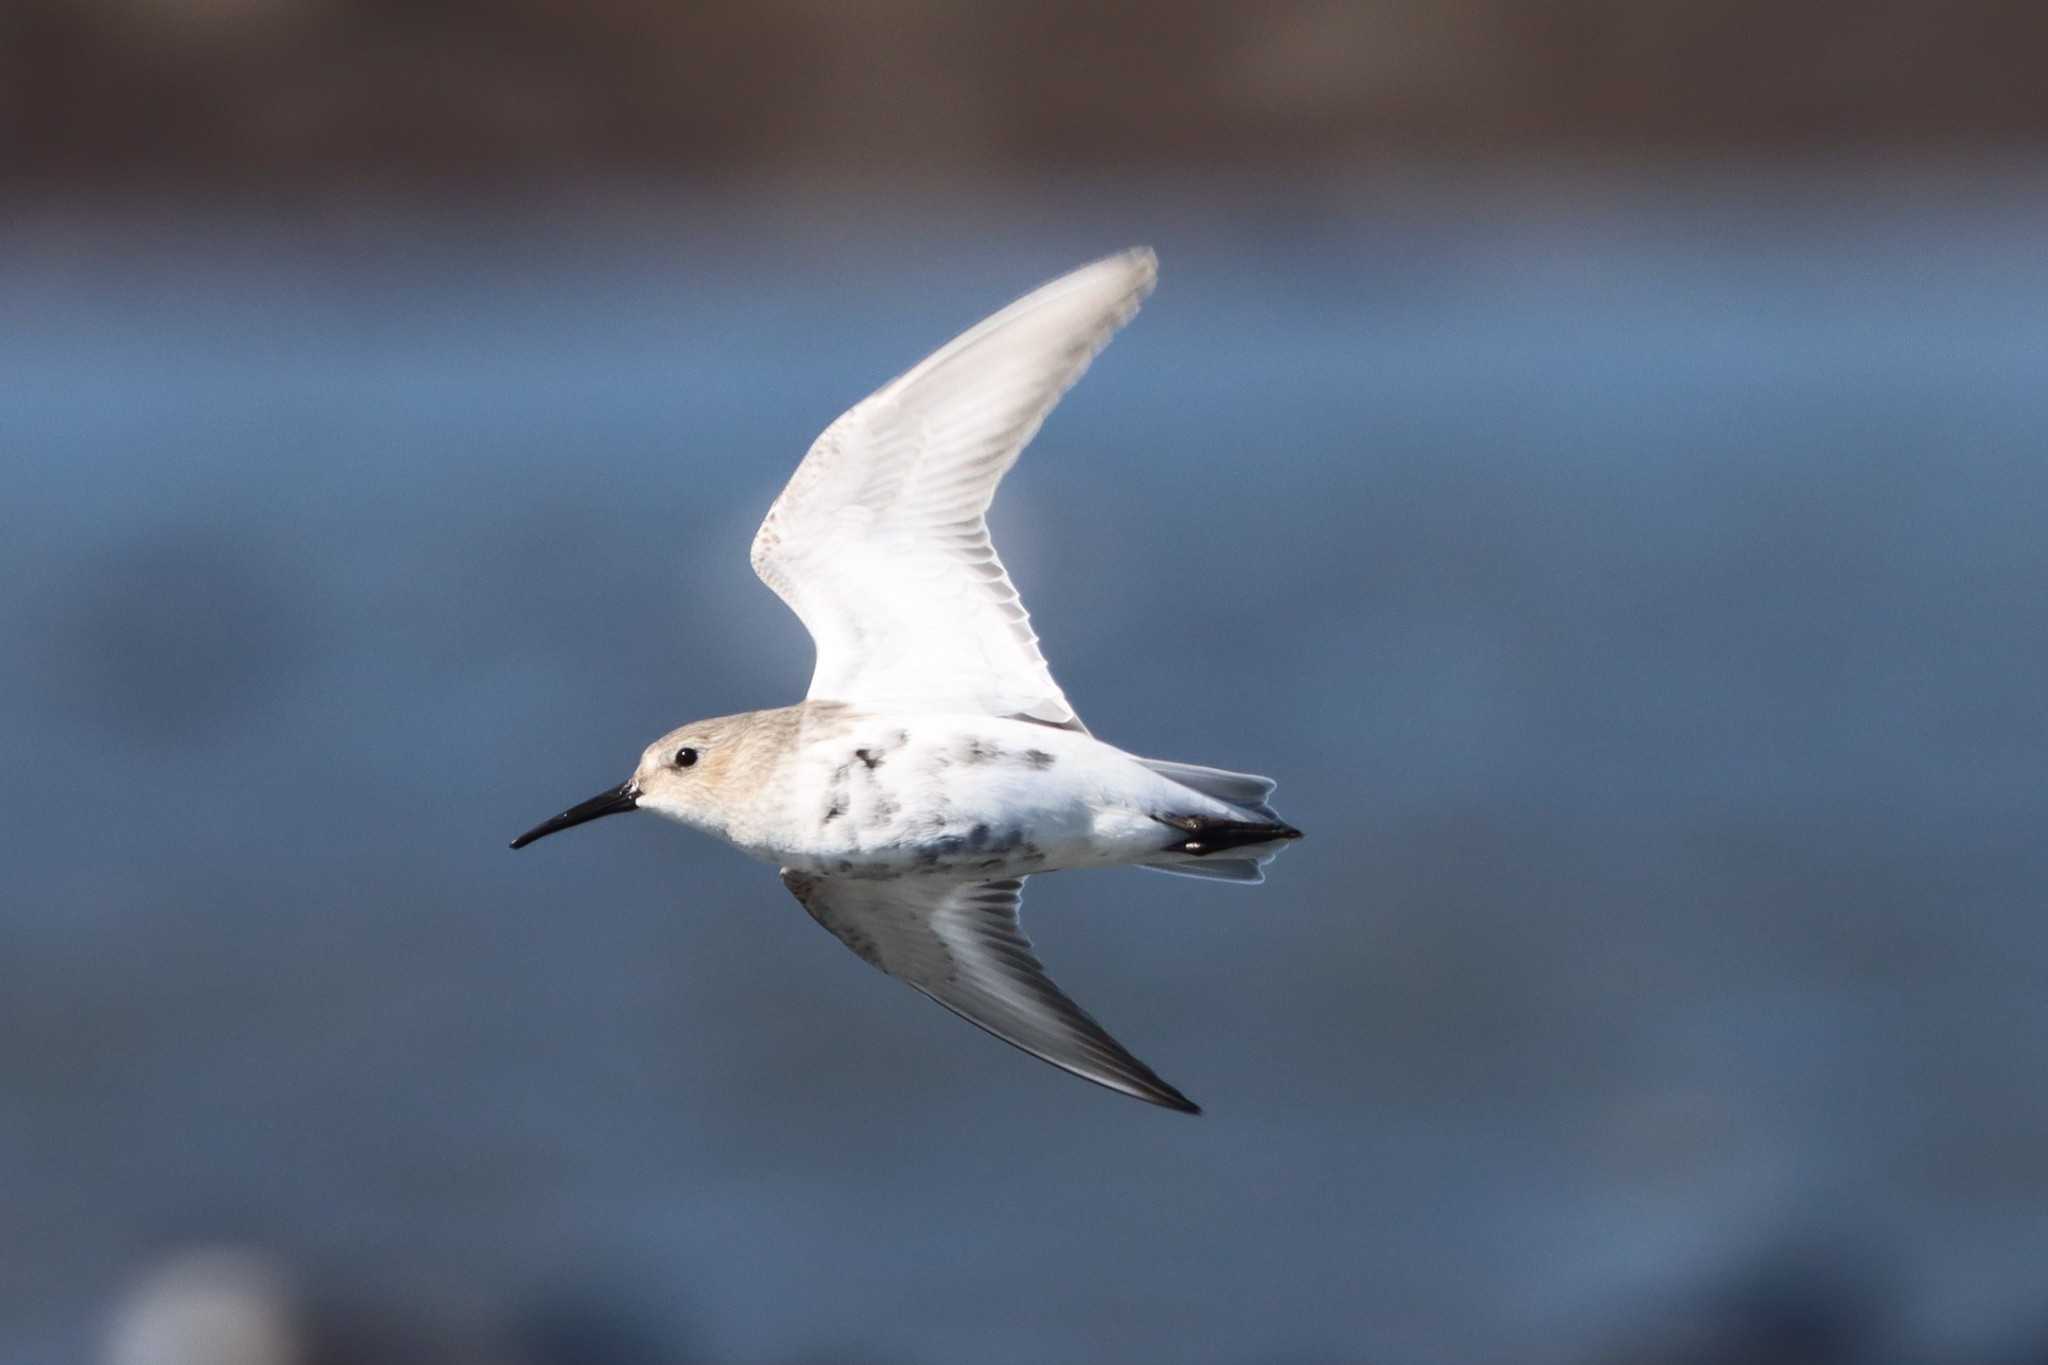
point(617, 801)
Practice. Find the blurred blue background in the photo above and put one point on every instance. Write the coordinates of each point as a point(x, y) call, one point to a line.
point(1626, 550)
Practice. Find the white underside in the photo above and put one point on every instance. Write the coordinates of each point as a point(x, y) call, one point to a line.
point(889, 794)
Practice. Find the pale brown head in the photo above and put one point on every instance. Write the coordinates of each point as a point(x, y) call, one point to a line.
point(688, 774)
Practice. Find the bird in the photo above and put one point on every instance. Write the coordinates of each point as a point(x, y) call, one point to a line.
point(934, 765)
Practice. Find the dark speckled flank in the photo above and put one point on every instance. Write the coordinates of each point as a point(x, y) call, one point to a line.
point(878, 808)
point(835, 793)
point(983, 849)
point(975, 753)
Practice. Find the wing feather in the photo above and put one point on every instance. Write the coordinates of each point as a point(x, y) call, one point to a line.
point(961, 944)
point(880, 541)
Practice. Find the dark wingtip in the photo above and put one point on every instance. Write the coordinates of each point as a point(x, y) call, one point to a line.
point(1165, 1096)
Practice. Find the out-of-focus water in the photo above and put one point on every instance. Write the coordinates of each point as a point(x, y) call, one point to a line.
point(1641, 603)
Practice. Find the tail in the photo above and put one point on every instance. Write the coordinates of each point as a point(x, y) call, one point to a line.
point(1246, 791)
point(1252, 841)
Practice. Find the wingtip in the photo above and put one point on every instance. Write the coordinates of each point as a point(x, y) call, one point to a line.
point(1138, 264)
point(1163, 1094)
point(1145, 262)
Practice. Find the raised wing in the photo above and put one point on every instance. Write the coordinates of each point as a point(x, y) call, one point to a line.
point(880, 544)
point(960, 943)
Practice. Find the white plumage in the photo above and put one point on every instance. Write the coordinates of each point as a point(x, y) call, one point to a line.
point(935, 762)
point(880, 542)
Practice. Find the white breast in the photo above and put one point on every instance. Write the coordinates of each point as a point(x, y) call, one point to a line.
point(896, 794)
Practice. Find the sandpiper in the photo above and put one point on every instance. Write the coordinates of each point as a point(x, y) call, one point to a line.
point(935, 764)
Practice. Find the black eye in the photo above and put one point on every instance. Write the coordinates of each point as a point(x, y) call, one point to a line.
point(685, 757)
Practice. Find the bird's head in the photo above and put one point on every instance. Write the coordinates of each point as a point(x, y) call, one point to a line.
point(688, 775)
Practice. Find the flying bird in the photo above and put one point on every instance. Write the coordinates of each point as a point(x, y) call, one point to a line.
point(934, 764)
